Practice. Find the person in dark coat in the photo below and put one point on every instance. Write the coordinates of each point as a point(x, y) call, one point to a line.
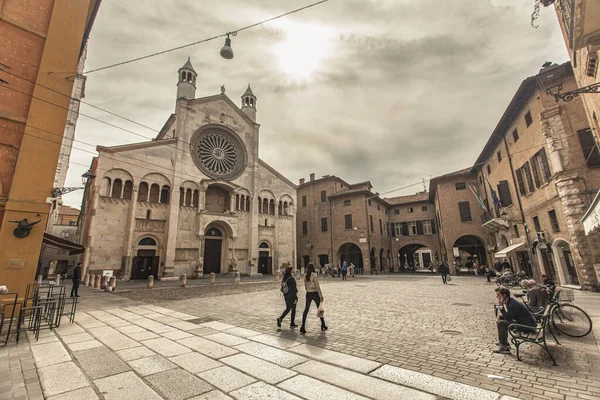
point(76, 279)
point(513, 312)
point(291, 297)
point(444, 271)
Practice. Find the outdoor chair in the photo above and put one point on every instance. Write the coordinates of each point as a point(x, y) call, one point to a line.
point(526, 334)
point(29, 320)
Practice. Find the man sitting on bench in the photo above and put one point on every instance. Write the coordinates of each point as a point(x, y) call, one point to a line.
point(537, 296)
point(513, 311)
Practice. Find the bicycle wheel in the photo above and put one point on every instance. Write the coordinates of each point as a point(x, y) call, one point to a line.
point(571, 320)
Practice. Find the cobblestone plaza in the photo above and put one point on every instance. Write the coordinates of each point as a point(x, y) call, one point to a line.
point(389, 337)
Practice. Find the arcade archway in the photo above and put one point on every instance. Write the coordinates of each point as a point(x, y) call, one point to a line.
point(471, 249)
point(406, 256)
point(352, 254)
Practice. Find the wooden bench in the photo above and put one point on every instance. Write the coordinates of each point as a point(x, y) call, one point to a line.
point(526, 334)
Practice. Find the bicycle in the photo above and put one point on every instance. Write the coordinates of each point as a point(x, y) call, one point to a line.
point(567, 318)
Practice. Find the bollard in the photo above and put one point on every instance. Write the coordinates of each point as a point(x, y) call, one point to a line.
point(92, 280)
point(212, 278)
point(112, 283)
point(237, 277)
point(86, 280)
point(150, 282)
point(103, 282)
point(57, 280)
point(39, 279)
point(183, 280)
point(97, 281)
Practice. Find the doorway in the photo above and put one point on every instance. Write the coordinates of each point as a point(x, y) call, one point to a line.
point(144, 264)
point(213, 241)
point(547, 263)
point(265, 261)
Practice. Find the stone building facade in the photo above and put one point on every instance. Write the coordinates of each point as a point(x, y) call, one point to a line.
point(54, 260)
point(196, 199)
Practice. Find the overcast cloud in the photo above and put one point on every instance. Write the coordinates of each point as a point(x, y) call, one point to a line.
point(406, 89)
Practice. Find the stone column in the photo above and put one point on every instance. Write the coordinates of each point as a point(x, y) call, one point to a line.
point(232, 202)
point(171, 234)
point(90, 230)
point(202, 197)
point(127, 256)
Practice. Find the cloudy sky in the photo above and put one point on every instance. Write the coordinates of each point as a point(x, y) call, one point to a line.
point(390, 91)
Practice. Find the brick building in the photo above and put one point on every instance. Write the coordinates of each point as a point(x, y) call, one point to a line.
point(39, 39)
point(541, 165)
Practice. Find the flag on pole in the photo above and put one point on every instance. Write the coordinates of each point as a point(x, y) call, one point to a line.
point(476, 194)
point(495, 198)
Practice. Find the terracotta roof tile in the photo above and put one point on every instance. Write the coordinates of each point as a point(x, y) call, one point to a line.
point(411, 198)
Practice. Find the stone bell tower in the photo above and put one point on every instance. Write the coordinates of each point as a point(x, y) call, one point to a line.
point(249, 104)
point(186, 85)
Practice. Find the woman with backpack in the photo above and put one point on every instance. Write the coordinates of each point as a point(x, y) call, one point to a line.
point(290, 294)
point(313, 293)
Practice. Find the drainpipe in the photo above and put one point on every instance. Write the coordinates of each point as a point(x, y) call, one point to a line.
point(514, 178)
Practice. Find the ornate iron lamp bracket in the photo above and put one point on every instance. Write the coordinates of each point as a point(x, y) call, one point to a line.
point(568, 96)
point(56, 192)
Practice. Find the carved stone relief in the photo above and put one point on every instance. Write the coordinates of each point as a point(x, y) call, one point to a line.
point(186, 254)
point(149, 225)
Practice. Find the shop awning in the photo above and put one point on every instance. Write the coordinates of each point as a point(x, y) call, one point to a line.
point(591, 219)
point(503, 253)
point(55, 241)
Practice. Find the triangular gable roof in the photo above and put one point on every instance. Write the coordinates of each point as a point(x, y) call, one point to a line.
point(276, 173)
point(224, 97)
point(248, 92)
point(136, 146)
point(167, 125)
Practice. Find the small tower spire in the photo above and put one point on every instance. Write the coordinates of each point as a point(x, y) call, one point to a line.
point(186, 85)
point(249, 104)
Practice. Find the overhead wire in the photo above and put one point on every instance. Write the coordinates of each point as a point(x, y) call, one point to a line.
point(234, 32)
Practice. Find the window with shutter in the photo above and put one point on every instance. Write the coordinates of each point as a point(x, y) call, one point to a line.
point(323, 224)
point(304, 227)
point(544, 167)
point(589, 148)
point(504, 193)
point(404, 228)
point(323, 196)
point(371, 223)
point(380, 227)
point(528, 177)
point(433, 227)
point(412, 228)
point(348, 221)
point(536, 224)
point(304, 201)
point(465, 211)
point(419, 227)
point(397, 228)
point(426, 227)
point(520, 182)
point(554, 221)
point(535, 171)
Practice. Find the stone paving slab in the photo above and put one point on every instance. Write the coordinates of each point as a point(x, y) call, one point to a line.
point(134, 353)
point(313, 389)
point(166, 347)
point(260, 369)
point(178, 384)
point(125, 386)
point(216, 325)
point(365, 385)
point(177, 335)
point(277, 356)
point(151, 365)
point(100, 363)
point(433, 384)
point(195, 362)
point(212, 395)
point(262, 391)
point(78, 394)
point(60, 378)
point(339, 359)
point(226, 339)
point(242, 332)
point(88, 344)
point(49, 354)
point(69, 329)
point(226, 378)
point(275, 341)
point(206, 347)
point(77, 337)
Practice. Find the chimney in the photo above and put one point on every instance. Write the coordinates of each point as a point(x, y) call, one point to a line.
point(312, 177)
point(376, 194)
point(302, 181)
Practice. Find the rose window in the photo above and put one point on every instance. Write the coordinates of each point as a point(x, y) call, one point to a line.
point(218, 153)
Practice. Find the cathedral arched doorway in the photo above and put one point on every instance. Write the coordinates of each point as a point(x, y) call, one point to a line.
point(146, 261)
point(265, 261)
point(213, 246)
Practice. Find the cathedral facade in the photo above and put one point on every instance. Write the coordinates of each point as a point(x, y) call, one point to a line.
point(196, 199)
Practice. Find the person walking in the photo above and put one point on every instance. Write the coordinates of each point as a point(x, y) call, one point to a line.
point(313, 293)
point(289, 288)
point(344, 271)
point(444, 271)
point(76, 279)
